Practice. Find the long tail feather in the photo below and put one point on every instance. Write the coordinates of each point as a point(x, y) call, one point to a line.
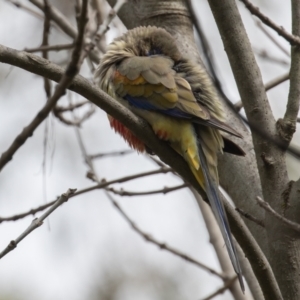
point(216, 204)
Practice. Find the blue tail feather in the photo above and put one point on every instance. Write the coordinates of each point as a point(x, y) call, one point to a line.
point(217, 207)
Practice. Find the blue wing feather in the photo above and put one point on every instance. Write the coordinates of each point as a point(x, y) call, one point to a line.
point(143, 103)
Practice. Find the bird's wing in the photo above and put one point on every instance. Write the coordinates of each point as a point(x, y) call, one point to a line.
point(150, 83)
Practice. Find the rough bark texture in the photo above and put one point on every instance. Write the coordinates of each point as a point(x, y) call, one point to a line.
point(270, 159)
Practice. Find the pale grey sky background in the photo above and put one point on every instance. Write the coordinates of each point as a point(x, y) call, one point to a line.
point(89, 242)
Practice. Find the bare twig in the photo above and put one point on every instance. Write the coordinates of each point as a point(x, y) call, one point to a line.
point(26, 8)
point(292, 39)
point(269, 85)
point(46, 31)
point(37, 222)
point(111, 15)
point(262, 53)
point(164, 190)
point(112, 153)
point(272, 83)
point(222, 289)
point(162, 246)
point(50, 48)
point(58, 18)
point(66, 80)
point(266, 206)
point(71, 107)
point(100, 185)
point(63, 23)
point(78, 121)
point(266, 32)
point(98, 6)
point(250, 217)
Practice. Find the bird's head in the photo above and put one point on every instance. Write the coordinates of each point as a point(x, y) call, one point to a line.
point(140, 41)
point(147, 41)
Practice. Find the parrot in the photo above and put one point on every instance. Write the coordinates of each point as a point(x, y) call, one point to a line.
point(145, 71)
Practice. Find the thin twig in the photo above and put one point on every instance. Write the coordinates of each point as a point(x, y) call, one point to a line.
point(71, 107)
point(63, 24)
point(274, 82)
point(292, 39)
point(266, 206)
point(37, 222)
point(66, 80)
point(100, 185)
point(269, 85)
point(222, 289)
point(162, 246)
point(262, 53)
point(58, 18)
point(112, 153)
point(26, 8)
point(266, 32)
point(50, 48)
point(250, 217)
point(46, 32)
point(78, 122)
point(98, 6)
point(164, 190)
point(111, 15)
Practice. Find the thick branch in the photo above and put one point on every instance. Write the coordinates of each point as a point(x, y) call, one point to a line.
point(288, 125)
point(270, 160)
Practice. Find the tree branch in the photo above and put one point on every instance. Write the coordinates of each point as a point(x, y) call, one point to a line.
point(222, 289)
point(250, 217)
point(71, 71)
point(101, 185)
point(164, 191)
point(253, 252)
point(287, 126)
point(266, 32)
point(266, 206)
point(50, 48)
point(37, 222)
point(269, 85)
point(293, 39)
point(162, 246)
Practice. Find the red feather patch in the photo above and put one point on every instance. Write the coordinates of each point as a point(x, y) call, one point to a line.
point(128, 136)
